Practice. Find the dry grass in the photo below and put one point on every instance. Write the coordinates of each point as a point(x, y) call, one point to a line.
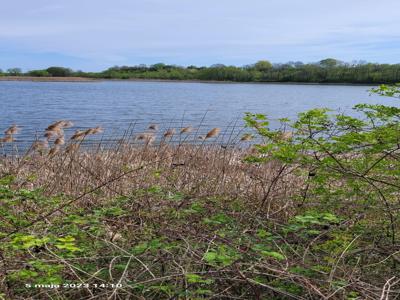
point(198, 170)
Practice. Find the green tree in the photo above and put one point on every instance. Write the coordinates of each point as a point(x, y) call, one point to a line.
point(59, 71)
point(14, 71)
point(38, 73)
point(263, 65)
point(329, 63)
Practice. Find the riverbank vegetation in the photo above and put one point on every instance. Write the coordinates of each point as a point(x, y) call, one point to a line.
point(326, 71)
point(309, 211)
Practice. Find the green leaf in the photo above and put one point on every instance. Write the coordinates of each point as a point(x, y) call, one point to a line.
point(273, 254)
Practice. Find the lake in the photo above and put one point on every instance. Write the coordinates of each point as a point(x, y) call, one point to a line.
point(115, 105)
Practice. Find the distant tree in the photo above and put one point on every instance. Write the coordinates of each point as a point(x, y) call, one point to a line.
point(277, 65)
point(38, 73)
point(358, 62)
point(158, 66)
point(263, 65)
point(59, 71)
point(298, 64)
point(217, 66)
point(142, 67)
point(329, 63)
point(326, 71)
point(14, 71)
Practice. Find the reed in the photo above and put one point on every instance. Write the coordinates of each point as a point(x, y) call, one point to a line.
point(247, 137)
point(153, 127)
point(186, 130)
point(14, 129)
point(213, 133)
point(169, 133)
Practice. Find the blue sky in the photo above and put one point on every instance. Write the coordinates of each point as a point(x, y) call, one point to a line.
point(95, 34)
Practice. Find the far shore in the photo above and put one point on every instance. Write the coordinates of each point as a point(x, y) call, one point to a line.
point(46, 79)
point(86, 79)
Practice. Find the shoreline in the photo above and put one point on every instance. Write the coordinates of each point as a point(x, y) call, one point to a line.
point(46, 79)
point(86, 79)
point(239, 82)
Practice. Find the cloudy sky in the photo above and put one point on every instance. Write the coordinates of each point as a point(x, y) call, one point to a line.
point(96, 34)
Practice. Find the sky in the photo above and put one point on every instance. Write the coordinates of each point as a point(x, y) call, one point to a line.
point(92, 35)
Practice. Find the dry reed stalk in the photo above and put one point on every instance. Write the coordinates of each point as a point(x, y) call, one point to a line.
point(40, 145)
point(72, 148)
point(150, 139)
point(53, 151)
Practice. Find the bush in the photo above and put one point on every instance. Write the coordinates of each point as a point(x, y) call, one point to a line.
point(39, 73)
point(59, 71)
point(352, 170)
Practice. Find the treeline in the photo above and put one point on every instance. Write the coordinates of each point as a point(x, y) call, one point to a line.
point(325, 71)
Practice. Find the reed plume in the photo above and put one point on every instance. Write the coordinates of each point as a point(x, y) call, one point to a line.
point(12, 130)
point(247, 137)
point(287, 135)
point(59, 141)
point(186, 130)
point(169, 133)
point(53, 151)
point(72, 148)
point(50, 134)
point(7, 139)
point(40, 145)
point(94, 130)
point(59, 124)
point(213, 133)
point(66, 124)
point(148, 138)
point(142, 136)
point(79, 135)
point(54, 126)
point(153, 127)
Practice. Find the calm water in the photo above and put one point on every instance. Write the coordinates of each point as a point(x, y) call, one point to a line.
point(116, 104)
